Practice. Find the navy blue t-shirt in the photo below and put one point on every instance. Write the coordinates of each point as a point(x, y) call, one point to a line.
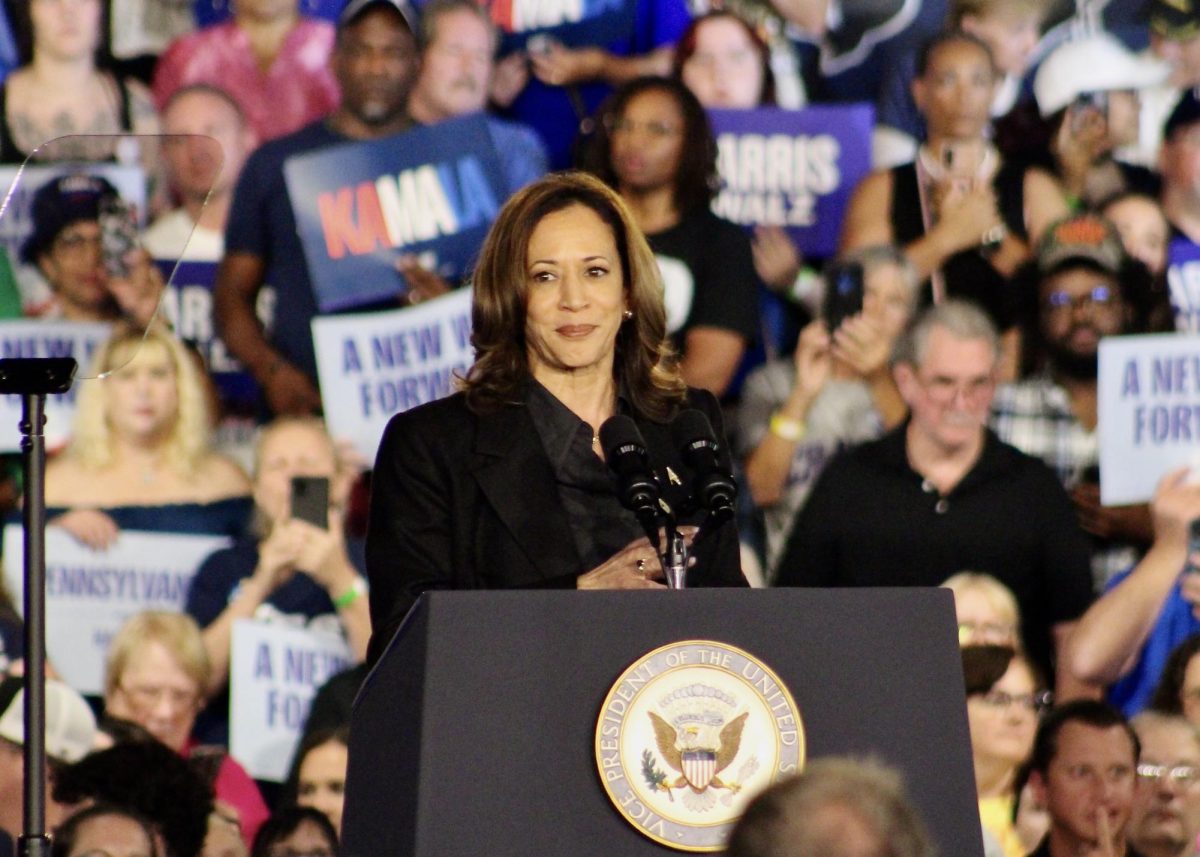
point(262, 223)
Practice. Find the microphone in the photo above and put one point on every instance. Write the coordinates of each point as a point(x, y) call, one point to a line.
point(625, 451)
point(712, 482)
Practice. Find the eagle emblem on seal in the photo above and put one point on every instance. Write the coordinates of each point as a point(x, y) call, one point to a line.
point(698, 736)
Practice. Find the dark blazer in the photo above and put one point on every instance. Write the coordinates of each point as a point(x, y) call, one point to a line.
point(463, 501)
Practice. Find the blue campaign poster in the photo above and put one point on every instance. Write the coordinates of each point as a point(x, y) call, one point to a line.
point(1183, 279)
point(792, 168)
point(432, 191)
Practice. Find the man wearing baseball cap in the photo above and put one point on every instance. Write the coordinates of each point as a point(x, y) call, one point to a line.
point(70, 731)
point(1082, 275)
point(375, 62)
point(66, 246)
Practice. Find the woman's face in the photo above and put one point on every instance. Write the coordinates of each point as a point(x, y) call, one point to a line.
point(725, 70)
point(65, 29)
point(647, 142)
point(294, 450)
point(1144, 231)
point(1004, 719)
point(1124, 117)
point(979, 622)
point(111, 836)
point(887, 299)
point(143, 395)
point(575, 294)
point(156, 693)
point(306, 839)
point(955, 93)
point(322, 780)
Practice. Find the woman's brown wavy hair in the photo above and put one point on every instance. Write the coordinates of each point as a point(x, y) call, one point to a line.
point(645, 367)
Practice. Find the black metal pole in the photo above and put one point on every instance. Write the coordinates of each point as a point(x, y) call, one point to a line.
point(33, 379)
point(34, 842)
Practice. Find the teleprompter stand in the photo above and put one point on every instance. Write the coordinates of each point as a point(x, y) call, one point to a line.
point(33, 379)
point(475, 733)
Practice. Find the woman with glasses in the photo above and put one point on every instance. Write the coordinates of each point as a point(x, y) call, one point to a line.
point(1004, 698)
point(654, 146)
point(296, 832)
point(155, 675)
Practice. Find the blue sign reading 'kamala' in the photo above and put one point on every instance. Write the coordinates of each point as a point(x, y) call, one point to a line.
point(432, 192)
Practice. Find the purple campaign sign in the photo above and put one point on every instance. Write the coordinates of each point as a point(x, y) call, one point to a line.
point(431, 191)
point(188, 305)
point(1183, 278)
point(792, 168)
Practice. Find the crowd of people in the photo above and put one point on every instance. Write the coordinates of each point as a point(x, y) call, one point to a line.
point(918, 407)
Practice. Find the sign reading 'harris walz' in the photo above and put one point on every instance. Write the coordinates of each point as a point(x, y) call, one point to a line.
point(360, 206)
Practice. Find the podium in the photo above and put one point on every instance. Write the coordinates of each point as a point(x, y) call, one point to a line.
point(475, 733)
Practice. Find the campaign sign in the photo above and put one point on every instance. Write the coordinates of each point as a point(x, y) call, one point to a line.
point(1183, 279)
point(31, 338)
point(432, 191)
point(1149, 409)
point(377, 364)
point(188, 304)
point(523, 24)
point(275, 670)
point(792, 168)
point(90, 594)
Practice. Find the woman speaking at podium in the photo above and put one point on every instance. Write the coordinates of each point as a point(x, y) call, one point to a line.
point(503, 485)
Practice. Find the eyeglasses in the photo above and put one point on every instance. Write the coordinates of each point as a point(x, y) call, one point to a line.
point(1099, 296)
point(73, 243)
point(148, 696)
point(987, 632)
point(946, 390)
point(1035, 702)
point(1183, 776)
point(654, 128)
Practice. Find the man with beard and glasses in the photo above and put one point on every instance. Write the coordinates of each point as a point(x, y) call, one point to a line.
point(1166, 803)
point(1082, 270)
point(375, 62)
point(941, 492)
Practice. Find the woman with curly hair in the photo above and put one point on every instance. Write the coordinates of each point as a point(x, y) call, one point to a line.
point(653, 145)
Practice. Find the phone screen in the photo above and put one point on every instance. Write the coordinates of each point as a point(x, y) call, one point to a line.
point(310, 500)
point(118, 235)
point(843, 293)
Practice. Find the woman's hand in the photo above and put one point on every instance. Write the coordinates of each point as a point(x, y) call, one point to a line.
point(812, 360)
point(636, 566)
point(563, 66)
point(861, 344)
point(278, 555)
point(89, 526)
point(323, 554)
point(138, 293)
point(776, 259)
point(965, 216)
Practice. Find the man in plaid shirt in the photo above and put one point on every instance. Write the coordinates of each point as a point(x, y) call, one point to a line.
point(1052, 415)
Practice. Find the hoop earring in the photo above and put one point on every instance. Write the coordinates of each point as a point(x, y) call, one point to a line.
point(628, 314)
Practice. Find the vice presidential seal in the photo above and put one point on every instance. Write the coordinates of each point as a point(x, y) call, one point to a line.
point(688, 734)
